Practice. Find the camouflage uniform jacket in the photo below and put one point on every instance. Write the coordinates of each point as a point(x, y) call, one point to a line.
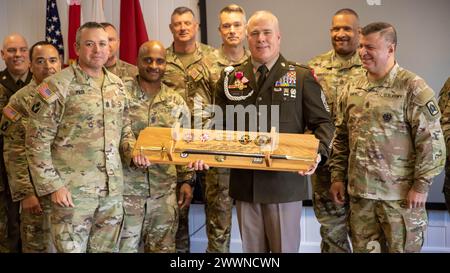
point(163, 110)
point(195, 82)
point(223, 61)
point(333, 73)
point(123, 69)
point(75, 131)
point(388, 137)
point(8, 87)
point(12, 126)
point(444, 105)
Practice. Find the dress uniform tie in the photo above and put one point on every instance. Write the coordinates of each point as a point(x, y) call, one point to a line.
point(20, 83)
point(262, 69)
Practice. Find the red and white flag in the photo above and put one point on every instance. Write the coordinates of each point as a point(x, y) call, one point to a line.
point(132, 30)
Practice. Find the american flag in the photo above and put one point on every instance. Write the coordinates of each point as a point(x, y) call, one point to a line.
point(53, 32)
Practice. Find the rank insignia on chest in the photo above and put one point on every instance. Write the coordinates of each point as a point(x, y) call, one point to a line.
point(387, 117)
point(46, 93)
point(11, 113)
point(194, 73)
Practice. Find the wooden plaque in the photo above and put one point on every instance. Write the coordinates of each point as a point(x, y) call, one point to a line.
point(229, 149)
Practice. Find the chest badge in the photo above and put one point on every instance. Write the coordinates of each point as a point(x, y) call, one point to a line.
point(293, 93)
point(387, 117)
point(239, 83)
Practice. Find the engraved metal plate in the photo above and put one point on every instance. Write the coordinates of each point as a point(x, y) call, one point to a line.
point(258, 160)
point(220, 158)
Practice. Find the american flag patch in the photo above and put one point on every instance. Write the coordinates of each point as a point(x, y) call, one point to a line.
point(11, 113)
point(45, 92)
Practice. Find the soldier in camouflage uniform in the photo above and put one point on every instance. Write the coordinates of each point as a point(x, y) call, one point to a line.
point(118, 67)
point(444, 105)
point(192, 72)
point(150, 201)
point(15, 76)
point(218, 203)
point(333, 70)
point(390, 144)
point(35, 212)
point(78, 121)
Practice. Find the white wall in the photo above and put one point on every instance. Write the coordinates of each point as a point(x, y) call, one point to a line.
point(28, 18)
point(422, 28)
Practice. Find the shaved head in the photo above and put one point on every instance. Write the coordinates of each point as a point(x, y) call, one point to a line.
point(147, 46)
point(151, 62)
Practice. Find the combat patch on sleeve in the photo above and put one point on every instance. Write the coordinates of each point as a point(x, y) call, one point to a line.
point(4, 125)
point(432, 108)
point(314, 74)
point(46, 94)
point(427, 103)
point(11, 113)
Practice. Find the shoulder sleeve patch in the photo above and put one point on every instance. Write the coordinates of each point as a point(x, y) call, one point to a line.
point(313, 74)
point(5, 123)
point(11, 113)
point(432, 107)
point(46, 94)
